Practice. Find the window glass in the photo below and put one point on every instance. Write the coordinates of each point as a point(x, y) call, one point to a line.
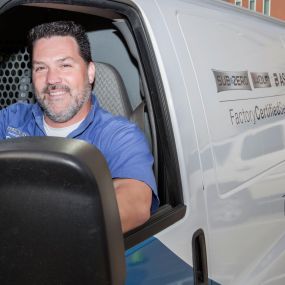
point(238, 2)
point(252, 4)
point(266, 7)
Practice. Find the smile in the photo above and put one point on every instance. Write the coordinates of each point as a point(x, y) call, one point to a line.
point(57, 92)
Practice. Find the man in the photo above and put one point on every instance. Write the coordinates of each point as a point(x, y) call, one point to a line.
point(63, 74)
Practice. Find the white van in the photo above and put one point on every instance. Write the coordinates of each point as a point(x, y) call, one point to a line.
point(210, 78)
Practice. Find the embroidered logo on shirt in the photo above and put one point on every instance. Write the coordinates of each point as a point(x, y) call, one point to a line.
point(15, 133)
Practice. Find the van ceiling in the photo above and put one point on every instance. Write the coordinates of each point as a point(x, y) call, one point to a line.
point(15, 34)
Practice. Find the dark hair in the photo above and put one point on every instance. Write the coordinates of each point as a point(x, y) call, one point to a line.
point(62, 28)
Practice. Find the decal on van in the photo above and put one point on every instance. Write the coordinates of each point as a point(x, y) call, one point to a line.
point(231, 80)
point(260, 79)
point(279, 79)
point(257, 113)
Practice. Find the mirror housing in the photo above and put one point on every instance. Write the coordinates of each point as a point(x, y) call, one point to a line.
point(59, 220)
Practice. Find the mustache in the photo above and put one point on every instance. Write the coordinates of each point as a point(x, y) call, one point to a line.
point(52, 87)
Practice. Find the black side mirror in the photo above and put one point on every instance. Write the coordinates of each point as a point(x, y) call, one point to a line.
point(59, 221)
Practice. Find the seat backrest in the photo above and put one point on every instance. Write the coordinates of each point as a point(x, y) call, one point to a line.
point(112, 94)
point(110, 90)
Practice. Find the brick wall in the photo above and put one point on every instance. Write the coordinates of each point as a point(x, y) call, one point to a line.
point(277, 7)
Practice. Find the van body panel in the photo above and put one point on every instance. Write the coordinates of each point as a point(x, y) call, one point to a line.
point(152, 263)
point(240, 160)
point(175, 83)
point(247, 153)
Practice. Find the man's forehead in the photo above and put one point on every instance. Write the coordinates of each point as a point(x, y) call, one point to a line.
point(57, 42)
point(56, 38)
point(59, 59)
point(57, 47)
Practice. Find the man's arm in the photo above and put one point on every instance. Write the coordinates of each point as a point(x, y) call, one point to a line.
point(134, 201)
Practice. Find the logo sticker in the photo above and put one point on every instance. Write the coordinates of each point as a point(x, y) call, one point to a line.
point(14, 133)
point(260, 79)
point(231, 80)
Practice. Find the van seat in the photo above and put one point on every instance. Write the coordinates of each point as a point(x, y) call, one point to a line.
point(110, 90)
point(112, 95)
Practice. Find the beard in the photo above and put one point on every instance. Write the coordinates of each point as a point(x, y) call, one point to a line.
point(76, 102)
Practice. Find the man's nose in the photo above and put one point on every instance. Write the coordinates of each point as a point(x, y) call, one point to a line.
point(53, 76)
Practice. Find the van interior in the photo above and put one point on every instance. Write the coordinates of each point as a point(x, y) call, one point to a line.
point(127, 83)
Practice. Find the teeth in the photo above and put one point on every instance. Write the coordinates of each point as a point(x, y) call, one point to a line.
point(56, 93)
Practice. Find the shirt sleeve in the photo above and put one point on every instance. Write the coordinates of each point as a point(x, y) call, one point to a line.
point(3, 117)
point(128, 155)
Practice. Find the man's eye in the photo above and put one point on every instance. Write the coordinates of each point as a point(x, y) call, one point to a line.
point(39, 68)
point(65, 65)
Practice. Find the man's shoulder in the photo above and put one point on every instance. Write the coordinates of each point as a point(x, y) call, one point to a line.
point(119, 134)
point(14, 120)
point(19, 108)
point(118, 125)
point(111, 123)
point(18, 112)
point(105, 120)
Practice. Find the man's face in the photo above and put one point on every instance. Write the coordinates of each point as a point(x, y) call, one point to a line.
point(61, 78)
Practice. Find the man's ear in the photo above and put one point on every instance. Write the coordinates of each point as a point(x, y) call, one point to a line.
point(91, 72)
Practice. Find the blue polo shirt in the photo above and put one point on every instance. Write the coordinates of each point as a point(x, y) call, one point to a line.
point(121, 142)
